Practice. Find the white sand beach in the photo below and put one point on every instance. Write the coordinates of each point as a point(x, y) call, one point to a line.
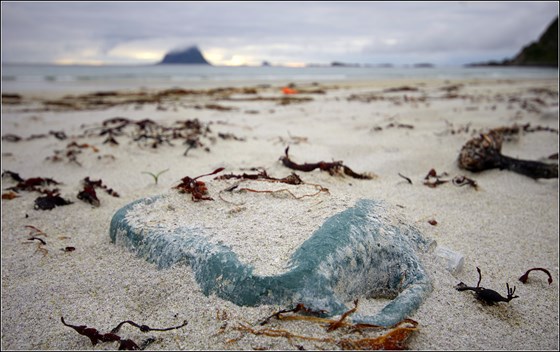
point(506, 226)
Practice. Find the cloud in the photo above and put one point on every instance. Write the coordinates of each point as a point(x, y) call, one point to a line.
point(137, 32)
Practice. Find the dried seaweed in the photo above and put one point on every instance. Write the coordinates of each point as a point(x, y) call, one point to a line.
point(525, 276)
point(333, 168)
point(432, 179)
point(124, 344)
point(299, 308)
point(318, 188)
point(32, 184)
point(463, 180)
point(406, 178)
point(34, 234)
point(394, 339)
point(89, 195)
point(9, 195)
point(13, 175)
point(337, 324)
point(51, 198)
point(292, 179)
point(50, 201)
point(197, 189)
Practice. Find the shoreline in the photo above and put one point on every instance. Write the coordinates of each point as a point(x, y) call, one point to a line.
point(506, 227)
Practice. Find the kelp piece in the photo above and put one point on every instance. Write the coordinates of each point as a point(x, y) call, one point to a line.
point(360, 252)
point(484, 153)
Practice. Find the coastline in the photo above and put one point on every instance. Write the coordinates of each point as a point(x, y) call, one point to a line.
point(507, 226)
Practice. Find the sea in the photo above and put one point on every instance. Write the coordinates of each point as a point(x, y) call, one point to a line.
point(21, 78)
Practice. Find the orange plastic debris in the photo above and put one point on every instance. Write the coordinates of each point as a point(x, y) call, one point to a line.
point(287, 90)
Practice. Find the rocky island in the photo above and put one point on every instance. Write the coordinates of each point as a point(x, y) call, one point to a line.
point(190, 55)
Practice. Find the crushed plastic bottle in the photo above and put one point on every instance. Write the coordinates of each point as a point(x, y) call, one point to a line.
point(453, 260)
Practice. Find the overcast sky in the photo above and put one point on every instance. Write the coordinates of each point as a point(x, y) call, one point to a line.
point(232, 33)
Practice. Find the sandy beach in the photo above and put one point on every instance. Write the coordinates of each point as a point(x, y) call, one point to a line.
point(390, 130)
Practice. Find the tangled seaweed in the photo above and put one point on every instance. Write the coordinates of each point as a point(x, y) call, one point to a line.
point(124, 344)
point(333, 168)
point(394, 339)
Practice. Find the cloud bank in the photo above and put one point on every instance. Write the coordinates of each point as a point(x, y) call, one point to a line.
point(446, 33)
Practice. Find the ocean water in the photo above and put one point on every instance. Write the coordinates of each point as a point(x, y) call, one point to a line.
point(28, 77)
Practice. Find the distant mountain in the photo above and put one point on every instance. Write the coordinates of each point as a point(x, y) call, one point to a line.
point(543, 52)
point(191, 55)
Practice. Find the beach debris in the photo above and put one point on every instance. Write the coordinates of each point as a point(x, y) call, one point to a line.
point(394, 339)
point(31, 184)
point(50, 201)
point(401, 89)
point(525, 276)
point(393, 125)
point(71, 152)
point(124, 344)
point(149, 133)
point(300, 307)
point(68, 249)
point(460, 181)
point(432, 180)
point(164, 99)
point(333, 168)
point(33, 231)
point(11, 98)
point(10, 137)
point(406, 178)
point(362, 251)
point(292, 179)
point(215, 107)
point(13, 175)
point(197, 189)
point(34, 234)
point(277, 191)
point(288, 91)
point(432, 222)
point(42, 241)
point(484, 153)
point(261, 175)
point(9, 195)
point(485, 295)
point(291, 139)
point(432, 174)
point(88, 194)
point(156, 175)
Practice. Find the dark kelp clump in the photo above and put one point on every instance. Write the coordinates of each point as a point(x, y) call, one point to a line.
point(485, 295)
point(484, 153)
